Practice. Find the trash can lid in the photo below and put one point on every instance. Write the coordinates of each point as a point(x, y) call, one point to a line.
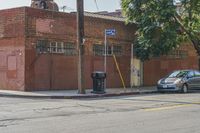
point(98, 72)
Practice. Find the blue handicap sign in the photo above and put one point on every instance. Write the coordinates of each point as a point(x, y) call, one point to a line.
point(110, 32)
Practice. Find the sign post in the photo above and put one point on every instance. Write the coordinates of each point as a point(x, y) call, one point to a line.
point(107, 32)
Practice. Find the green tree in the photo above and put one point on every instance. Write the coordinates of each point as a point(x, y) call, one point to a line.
point(163, 25)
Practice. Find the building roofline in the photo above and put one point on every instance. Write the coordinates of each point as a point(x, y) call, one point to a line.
point(12, 8)
point(87, 14)
point(94, 15)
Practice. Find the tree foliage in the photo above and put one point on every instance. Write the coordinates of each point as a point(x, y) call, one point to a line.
point(163, 25)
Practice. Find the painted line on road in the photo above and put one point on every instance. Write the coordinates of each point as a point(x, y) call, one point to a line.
point(196, 103)
point(171, 107)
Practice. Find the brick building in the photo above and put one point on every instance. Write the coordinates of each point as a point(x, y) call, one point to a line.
point(184, 57)
point(38, 51)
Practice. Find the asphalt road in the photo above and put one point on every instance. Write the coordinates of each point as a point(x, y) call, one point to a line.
point(157, 113)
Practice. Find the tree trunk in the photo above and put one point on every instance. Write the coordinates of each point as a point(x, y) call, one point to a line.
point(196, 44)
point(195, 40)
point(197, 48)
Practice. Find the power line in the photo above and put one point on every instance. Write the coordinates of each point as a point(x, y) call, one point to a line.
point(96, 5)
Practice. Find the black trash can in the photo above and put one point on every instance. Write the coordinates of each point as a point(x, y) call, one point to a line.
point(98, 82)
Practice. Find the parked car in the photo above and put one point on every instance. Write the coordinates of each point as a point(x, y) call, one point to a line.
point(180, 80)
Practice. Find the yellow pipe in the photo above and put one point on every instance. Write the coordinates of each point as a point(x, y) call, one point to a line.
point(120, 74)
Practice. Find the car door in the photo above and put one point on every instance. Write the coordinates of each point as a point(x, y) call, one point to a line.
point(191, 79)
point(197, 79)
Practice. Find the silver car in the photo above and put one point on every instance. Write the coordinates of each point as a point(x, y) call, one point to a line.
point(180, 80)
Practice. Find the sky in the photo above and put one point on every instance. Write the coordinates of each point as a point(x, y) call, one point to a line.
point(89, 5)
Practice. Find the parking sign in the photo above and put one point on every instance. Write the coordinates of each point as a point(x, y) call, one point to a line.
point(110, 32)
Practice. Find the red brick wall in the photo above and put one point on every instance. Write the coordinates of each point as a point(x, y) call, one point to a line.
point(59, 71)
point(12, 64)
point(12, 49)
point(155, 69)
point(12, 22)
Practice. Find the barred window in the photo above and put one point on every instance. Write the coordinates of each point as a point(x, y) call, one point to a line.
point(53, 47)
point(117, 50)
point(99, 50)
point(60, 47)
point(56, 47)
point(70, 49)
point(42, 46)
point(178, 54)
point(109, 50)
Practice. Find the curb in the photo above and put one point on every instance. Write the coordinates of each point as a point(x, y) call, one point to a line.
point(78, 97)
point(24, 96)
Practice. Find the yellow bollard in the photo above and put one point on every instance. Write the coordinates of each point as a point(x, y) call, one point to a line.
point(122, 80)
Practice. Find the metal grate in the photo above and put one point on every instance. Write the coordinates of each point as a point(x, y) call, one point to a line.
point(99, 50)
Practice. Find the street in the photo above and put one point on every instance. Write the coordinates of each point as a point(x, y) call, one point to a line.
point(152, 113)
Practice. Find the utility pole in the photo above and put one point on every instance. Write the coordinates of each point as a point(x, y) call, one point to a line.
point(80, 46)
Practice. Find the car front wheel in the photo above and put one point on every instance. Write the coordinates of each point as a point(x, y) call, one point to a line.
point(185, 88)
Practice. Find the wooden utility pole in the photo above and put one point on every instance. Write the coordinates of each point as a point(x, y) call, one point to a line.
point(80, 46)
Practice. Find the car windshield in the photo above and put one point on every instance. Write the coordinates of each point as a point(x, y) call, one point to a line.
point(178, 74)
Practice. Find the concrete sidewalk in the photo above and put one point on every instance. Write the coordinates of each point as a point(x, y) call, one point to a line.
point(72, 94)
